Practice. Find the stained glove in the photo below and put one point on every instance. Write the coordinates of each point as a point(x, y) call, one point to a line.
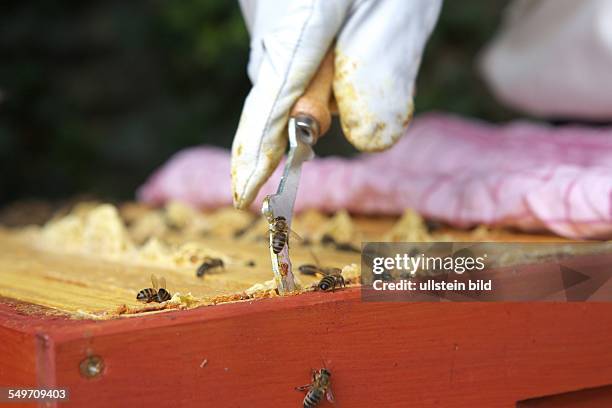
point(378, 47)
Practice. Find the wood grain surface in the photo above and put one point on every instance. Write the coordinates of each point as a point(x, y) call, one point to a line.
point(380, 354)
point(72, 283)
point(85, 284)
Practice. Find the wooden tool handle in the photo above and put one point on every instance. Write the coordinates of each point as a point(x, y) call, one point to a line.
point(315, 100)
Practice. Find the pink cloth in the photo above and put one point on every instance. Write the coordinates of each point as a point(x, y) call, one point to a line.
point(463, 172)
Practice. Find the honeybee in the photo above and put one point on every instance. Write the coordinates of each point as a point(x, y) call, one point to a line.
point(157, 293)
point(333, 271)
point(327, 239)
point(320, 385)
point(279, 231)
point(314, 270)
point(279, 235)
point(330, 282)
point(310, 269)
point(147, 295)
point(162, 294)
point(208, 264)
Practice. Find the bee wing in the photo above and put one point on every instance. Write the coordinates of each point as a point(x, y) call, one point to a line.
point(316, 259)
point(154, 282)
point(330, 395)
point(295, 235)
point(333, 271)
point(162, 282)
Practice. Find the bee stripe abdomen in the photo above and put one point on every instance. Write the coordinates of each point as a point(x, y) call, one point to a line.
point(147, 295)
point(202, 270)
point(312, 398)
point(208, 265)
point(327, 283)
point(163, 295)
point(278, 242)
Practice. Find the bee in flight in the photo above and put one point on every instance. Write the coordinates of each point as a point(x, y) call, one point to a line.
point(320, 385)
point(157, 293)
point(208, 264)
point(330, 282)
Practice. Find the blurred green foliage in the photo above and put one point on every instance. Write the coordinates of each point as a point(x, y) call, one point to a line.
point(96, 94)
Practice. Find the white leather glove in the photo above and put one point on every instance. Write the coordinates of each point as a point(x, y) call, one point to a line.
point(378, 51)
point(553, 58)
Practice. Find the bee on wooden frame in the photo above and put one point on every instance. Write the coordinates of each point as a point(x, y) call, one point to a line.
point(314, 270)
point(157, 293)
point(328, 240)
point(208, 265)
point(329, 282)
point(320, 386)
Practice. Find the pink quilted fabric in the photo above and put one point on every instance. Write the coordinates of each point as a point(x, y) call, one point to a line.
point(464, 172)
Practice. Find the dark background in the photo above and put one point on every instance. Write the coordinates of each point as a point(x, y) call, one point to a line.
point(96, 94)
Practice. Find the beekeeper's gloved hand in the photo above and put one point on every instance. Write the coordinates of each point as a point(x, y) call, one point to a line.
point(378, 51)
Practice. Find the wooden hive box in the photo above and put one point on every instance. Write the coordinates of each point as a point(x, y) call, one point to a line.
point(254, 352)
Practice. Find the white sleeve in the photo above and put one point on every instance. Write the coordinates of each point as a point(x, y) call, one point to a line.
point(553, 58)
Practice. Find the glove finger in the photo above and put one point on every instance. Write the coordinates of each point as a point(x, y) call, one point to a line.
point(261, 17)
point(378, 54)
point(291, 53)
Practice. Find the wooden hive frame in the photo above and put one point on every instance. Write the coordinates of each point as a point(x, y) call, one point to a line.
point(255, 353)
